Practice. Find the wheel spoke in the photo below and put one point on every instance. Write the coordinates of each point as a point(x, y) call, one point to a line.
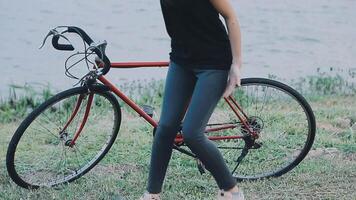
point(283, 125)
point(43, 155)
point(49, 131)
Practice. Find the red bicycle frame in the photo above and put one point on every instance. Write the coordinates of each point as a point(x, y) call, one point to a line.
point(179, 139)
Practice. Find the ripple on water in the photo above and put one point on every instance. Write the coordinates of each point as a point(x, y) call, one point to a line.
point(7, 58)
point(307, 39)
point(25, 41)
point(325, 7)
point(45, 11)
point(141, 10)
point(109, 27)
point(274, 50)
point(292, 51)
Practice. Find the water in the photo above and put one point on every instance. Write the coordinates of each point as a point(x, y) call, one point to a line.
point(282, 37)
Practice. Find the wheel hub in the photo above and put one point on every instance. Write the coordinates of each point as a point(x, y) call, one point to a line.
point(64, 137)
point(256, 124)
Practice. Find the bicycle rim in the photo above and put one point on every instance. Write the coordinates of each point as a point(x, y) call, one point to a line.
point(285, 123)
point(39, 154)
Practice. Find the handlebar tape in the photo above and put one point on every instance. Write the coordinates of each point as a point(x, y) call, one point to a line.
point(64, 47)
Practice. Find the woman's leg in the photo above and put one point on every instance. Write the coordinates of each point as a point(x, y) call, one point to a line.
point(179, 86)
point(208, 91)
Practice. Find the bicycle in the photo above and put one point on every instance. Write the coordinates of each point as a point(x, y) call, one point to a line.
point(264, 129)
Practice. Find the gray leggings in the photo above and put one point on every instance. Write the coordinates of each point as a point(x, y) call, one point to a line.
point(204, 88)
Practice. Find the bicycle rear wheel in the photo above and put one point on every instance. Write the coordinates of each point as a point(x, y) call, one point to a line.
point(282, 117)
point(39, 153)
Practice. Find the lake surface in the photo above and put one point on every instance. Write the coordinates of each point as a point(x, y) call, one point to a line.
point(286, 38)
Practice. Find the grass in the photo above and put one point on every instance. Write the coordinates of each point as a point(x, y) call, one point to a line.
point(328, 172)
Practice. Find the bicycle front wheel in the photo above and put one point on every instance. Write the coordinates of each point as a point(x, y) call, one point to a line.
point(40, 154)
point(283, 120)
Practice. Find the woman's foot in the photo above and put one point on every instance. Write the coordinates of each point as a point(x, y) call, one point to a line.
point(233, 194)
point(148, 196)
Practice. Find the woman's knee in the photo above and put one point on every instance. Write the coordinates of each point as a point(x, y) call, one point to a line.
point(192, 136)
point(166, 131)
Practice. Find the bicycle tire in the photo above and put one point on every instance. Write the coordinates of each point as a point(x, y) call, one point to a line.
point(307, 144)
point(97, 90)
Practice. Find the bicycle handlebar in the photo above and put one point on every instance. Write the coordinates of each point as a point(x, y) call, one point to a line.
point(99, 49)
point(61, 47)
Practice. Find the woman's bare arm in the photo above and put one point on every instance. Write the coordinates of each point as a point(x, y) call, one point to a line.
point(226, 10)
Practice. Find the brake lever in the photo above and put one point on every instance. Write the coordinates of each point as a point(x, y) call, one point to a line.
point(101, 46)
point(54, 32)
point(51, 32)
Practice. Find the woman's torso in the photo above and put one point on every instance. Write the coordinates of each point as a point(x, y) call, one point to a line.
point(199, 38)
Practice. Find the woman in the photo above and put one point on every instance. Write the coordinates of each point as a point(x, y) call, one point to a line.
point(205, 64)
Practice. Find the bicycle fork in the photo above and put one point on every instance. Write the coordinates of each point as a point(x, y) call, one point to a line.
point(71, 142)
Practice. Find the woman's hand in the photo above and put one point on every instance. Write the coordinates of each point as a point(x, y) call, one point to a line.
point(225, 8)
point(233, 80)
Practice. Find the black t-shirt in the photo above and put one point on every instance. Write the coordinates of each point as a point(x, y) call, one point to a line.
point(198, 37)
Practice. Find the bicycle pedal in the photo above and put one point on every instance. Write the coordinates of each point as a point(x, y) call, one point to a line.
point(257, 145)
point(148, 110)
point(200, 166)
